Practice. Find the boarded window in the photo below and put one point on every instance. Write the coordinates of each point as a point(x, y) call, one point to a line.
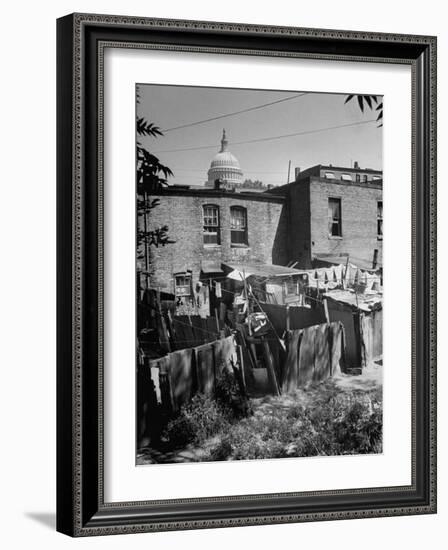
point(211, 224)
point(334, 218)
point(376, 178)
point(329, 175)
point(182, 284)
point(346, 177)
point(238, 226)
point(379, 220)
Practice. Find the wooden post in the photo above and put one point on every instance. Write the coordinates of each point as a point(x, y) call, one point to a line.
point(327, 316)
point(272, 377)
point(344, 278)
point(241, 361)
point(375, 258)
point(246, 295)
point(288, 320)
point(161, 325)
point(218, 332)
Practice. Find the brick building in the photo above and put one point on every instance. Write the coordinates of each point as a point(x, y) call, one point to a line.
point(335, 212)
point(212, 226)
point(326, 215)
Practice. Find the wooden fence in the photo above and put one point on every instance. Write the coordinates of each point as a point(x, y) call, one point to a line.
point(313, 354)
point(177, 376)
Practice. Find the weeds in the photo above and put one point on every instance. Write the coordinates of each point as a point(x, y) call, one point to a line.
point(328, 422)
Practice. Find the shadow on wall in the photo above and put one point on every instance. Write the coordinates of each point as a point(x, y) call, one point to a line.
point(280, 254)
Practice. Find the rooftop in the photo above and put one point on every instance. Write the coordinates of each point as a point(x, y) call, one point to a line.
point(202, 191)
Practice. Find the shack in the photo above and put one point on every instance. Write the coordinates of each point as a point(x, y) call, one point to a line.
point(362, 316)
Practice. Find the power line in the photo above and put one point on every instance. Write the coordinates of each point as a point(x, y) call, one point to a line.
point(307, 132)
point(245, 171)
point(218, 117)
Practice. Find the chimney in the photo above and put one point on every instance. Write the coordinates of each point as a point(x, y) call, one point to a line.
point(297, 172)
point(355, 164)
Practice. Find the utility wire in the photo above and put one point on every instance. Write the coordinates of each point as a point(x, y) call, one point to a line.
point(218, 117)
point(201, 170)
point(307, 132)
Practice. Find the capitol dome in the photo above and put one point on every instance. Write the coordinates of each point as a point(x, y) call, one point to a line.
point(225, 167)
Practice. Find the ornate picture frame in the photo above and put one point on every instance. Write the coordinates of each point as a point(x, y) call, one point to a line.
point(81, 506)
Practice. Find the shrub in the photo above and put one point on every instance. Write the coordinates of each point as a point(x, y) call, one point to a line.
point(229, 395)
point(360, 430)
point(344, 423)
point(203, 417)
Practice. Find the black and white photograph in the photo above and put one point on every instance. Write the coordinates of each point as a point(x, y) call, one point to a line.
point(259, 266)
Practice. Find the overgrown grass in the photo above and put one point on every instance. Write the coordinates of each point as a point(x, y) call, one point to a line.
point(205, 417)
point(323, 421)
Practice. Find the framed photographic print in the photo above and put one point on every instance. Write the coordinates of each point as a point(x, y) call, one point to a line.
point(246, 274)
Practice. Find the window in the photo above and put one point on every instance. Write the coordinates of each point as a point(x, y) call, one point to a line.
point(358, 177)
point(379, 220)
point(346, 177)
point(211, 224)
point(238, 226)
point(364, 178)
point(329, 175)
point(182, 284)
point(334, 218)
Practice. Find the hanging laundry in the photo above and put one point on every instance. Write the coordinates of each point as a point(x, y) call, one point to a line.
point(338, 271)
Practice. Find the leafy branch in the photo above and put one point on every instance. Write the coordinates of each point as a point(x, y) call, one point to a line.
point(371, 102)
point(152, 176)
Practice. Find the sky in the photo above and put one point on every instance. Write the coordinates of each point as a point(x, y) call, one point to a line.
point(267, 160)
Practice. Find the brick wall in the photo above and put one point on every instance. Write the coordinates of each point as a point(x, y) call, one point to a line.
point(299, 249)
point(359, 220)
point(308, 215)
point(267, 226)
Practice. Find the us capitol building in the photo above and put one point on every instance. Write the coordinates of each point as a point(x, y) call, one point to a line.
point(225, 167)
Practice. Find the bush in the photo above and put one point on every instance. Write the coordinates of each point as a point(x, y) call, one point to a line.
point(360, 431)
point(205, 417)
point(329, 422)
point(345, 423)
point(201, 418)
point(228, 393)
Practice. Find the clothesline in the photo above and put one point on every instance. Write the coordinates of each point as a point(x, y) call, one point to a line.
point(185, 324)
